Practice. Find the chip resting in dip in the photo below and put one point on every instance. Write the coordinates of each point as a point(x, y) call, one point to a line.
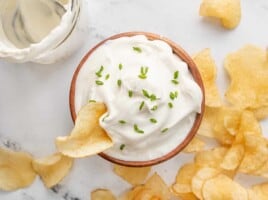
point(152, 91)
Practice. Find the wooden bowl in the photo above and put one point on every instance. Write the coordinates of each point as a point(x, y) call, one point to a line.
point(192, 68)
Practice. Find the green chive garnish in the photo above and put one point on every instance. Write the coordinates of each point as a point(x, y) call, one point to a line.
point(173, 95)
point(92, 101)
point(170, 105)
point(98, 73)
point(154, 108)
point(122, 146)
point(130, 93)
point(136, 129)
point(120, 66)
point(137, 49)
point(164, 130)
point(122, 122)
point(105, 117)
point(145, 93)
point(107, 76)
point(119, 83)
point(143, 72)
point(152, 97)
point(176, 75)
point(141, 105)
point(175, 82)
point(153, 120)
point(98, 82)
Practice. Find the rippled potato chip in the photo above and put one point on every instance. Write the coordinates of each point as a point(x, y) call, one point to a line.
point(207, 125)
point(133, 175)
point(53, 169)
point(248, 71)
point(182, 185)
point(222, 187)
point(87, 138)
point(200, 178)
point(259, 192)
point(207, 69)
point(194, 146)
point(228, 11)
point(154, 189)
point(227, 124)
point(256, 154)
point(15, 170)
point(233, 157)
point(102, 194)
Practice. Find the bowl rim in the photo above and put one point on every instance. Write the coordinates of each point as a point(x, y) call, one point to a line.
point(181, 53)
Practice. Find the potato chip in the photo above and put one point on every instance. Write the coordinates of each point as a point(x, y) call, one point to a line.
point(154, 189)
point(15, 170)
point(102, 194)
point(183, 181)
point(222, 187)
point(200, 178)
point(194, 146)
point(233, 157)
point(260, 191)
point(256, 154)
point(261, 113)
point(52, 169)
point(248, 71)
point(207, 125)
point(227, 124)
point(207, 69)
point(263, 170)
point(87, 138)
point(133, 175)
point(228, 11)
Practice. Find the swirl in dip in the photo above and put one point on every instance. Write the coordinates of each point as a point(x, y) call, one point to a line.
point(151, 97)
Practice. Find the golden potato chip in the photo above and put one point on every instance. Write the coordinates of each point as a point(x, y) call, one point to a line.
point(228, 11)
point(248, 71)
point(227, 124)
point(15, 170)
point(210, 158)
point(187, 196)
point(222, 187)
point(260, 191)
point(233, 157)
point(207, 125)
point(261, 113)
point(263, 171)
point(200, 178)
point(133, 175)
point(87, 138)
point(194, 146)
point(102, 194)
point(154, 189)
point(207, 69)
point(183, 181)
point(256, 154)
point(52, 169)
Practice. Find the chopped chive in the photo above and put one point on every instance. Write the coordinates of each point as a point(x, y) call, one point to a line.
point(173, 95)
point(120, 66)
point(119, 83)
point(154, 108)
point(98, 73)
point(98, 82)
point(107, 76)
point(136, 129)
point(143, 72)
point(164, 130)
point(170, 105)
point(176, 75)
point(130, 93)
point(122, 122)
point(105, 117)
point(145, 93)
point(122, 146)
point(153, 120)
point(137, 49)
point(141, 105)
point(175, 82)
point(152, 97)
point(92, 101)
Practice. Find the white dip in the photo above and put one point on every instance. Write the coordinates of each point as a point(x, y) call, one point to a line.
point(150, 94)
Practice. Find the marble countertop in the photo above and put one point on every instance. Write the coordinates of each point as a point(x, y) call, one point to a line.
point(34, 106)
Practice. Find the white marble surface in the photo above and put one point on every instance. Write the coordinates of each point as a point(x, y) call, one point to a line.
point(34, 98)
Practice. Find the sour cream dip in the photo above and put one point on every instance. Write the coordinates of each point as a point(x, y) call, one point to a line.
point(151, 97)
